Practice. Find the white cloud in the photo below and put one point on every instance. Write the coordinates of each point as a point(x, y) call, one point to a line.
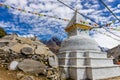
point(6, 24)
point(44, 25)
point(106, 41)
point(111, 0)
point(118, 6)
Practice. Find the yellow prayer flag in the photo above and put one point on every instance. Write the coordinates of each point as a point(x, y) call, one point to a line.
point(8, 6)
point(40, 14)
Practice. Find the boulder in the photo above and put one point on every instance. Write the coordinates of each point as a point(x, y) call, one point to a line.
point(41, 50)
point(5, 48)
point(27, 50)
point(37, 43)
point(12, 43)
point(31, 66)
point(53, 61)
point(17, 47)
point(24, 40)
point(27, 78)
point(2, 44)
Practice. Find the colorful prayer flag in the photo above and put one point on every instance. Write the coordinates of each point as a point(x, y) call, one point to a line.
point(113, 21)
point(19, 9)
point(12, 7)
point(23, 10)
point(40, 14)
point(7, 6)
point(90, 24)
point(1, 4)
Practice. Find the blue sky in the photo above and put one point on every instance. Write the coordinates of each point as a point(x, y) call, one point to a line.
point(26, 24)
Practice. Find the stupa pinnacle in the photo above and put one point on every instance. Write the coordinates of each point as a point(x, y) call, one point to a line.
point(79, 38)
point(80, 57)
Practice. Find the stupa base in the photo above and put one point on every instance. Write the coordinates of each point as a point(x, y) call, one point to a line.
point(91, 72)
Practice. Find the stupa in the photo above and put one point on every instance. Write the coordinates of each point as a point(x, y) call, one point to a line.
point(80, 57)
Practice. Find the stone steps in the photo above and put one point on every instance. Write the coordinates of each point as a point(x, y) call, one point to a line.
point(89, 67)
point(92, 72)
point(86, 61)
point(79, 54)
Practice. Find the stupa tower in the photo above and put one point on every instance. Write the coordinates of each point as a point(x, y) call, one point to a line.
point(80, 57)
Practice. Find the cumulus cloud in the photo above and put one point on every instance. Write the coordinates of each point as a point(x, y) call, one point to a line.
point(111, 0)
point(29, 24)
point(106, 41)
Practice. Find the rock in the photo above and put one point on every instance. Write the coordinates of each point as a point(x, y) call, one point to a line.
point(49, 73)
point(52, 59)
point(28, 55)
point(41, 50)
point(5, 48)
point(24, 40)
point(37, 43)
point(20, 75)
point(50, 53)
point(17, 47)
point(32, 66)
point(27, 78)
point(13, 65)
point(12, 43)
point(62, 74)
point(2, 44)
point(39, 57)
point(6, 40)
point(27, 50)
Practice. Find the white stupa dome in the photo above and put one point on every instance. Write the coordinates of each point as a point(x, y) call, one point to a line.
point(79, 42)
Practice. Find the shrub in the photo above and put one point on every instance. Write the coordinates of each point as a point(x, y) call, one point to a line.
point(2, 32)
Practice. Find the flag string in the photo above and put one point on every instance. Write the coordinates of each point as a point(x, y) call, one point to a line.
point(106, 35)
point(55, 17)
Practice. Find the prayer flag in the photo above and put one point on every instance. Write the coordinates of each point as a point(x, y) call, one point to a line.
point(7, 6)
point(40, 14)
point(1, 5)
point(12, 7)
point(90, 24)
point(19, 9)
point(23, 10)
point(113, 21)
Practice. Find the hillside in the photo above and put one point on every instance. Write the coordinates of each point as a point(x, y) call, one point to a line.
point(27, 59)
point(2, 32)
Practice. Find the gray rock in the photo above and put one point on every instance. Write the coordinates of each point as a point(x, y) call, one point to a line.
point(31, 66)
point(27, 50)
point(17, 47)
point(5, 48)
point(41, 50)
point(20, 75)
point(53, 61)
point(27, 78)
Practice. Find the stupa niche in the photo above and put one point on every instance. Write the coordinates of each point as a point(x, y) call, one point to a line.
point(80, 57)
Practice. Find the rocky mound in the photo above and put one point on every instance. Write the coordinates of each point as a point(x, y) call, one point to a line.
point(28, 55)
